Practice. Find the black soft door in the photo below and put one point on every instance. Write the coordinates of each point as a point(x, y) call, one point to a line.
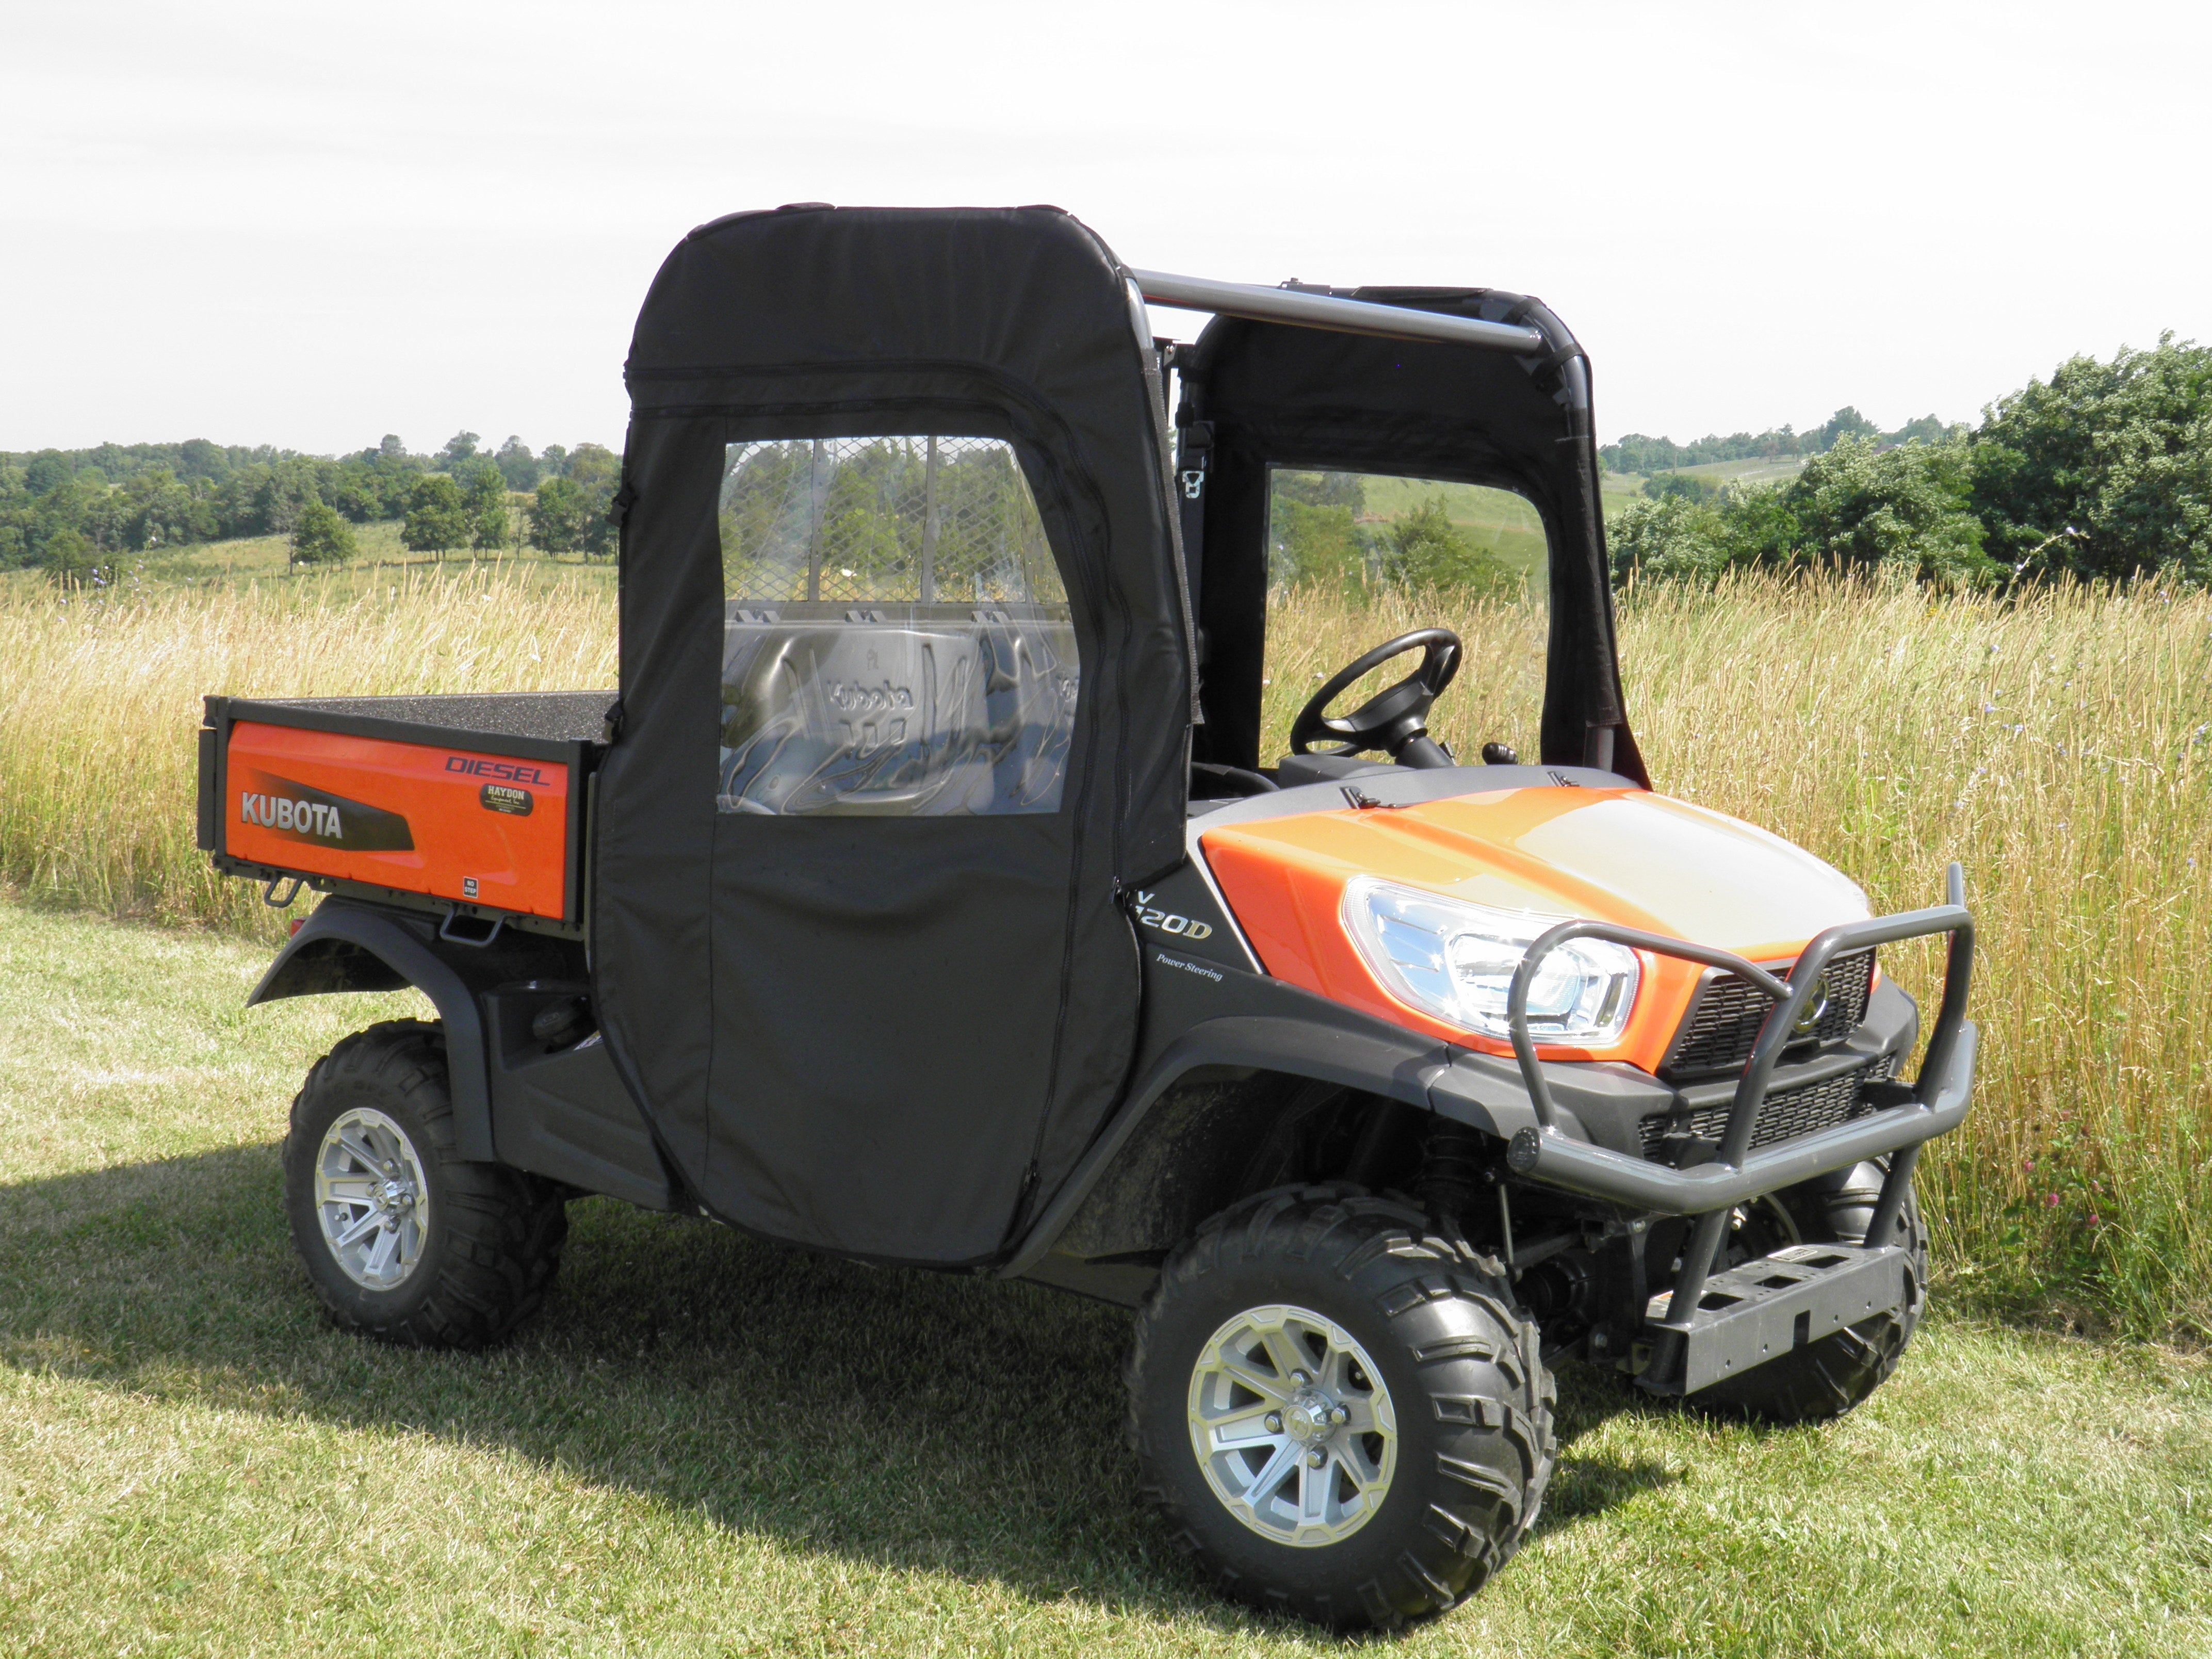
point(895, 841)
point(907, 691)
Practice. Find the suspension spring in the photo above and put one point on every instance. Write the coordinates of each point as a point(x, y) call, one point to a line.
point(1453, 1161)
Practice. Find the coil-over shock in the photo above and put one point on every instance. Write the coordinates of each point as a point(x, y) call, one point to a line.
point(1452, 1177)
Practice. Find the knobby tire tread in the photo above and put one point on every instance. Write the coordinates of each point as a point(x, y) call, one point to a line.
point(1479, 1428)
point(501, 1229)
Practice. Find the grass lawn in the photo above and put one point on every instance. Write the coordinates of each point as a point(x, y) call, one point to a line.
point(709, 1446)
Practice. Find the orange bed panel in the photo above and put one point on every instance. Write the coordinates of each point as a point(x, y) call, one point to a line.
point(451, 823)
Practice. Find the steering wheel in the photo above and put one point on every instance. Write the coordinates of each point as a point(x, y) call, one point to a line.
point(1395, 720)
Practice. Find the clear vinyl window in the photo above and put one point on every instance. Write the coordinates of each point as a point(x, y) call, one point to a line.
point(1361, 531)
point(896, 638)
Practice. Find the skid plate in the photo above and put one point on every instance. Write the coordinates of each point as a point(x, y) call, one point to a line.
point(1764, 1308)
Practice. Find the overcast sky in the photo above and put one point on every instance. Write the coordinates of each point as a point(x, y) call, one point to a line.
point(311, 224)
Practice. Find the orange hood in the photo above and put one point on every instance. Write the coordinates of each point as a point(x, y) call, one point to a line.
point(1619, 855)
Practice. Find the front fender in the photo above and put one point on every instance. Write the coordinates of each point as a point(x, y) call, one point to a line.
point(1265, 1025)
point(350, 947)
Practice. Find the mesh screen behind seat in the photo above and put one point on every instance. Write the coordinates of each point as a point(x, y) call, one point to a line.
point(916, 519)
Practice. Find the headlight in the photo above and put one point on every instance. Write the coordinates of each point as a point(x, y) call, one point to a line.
point(1456, 961)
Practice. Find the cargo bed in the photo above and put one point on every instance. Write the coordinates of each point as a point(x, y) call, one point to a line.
point(472, 806)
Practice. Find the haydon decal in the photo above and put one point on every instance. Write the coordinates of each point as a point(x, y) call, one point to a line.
point(1177, 926)
point(504, 797)
point(296, 811)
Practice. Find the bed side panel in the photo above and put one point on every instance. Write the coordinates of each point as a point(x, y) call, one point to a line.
point(453, 824)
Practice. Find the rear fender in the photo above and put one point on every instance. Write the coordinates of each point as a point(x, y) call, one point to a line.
point(349, 947)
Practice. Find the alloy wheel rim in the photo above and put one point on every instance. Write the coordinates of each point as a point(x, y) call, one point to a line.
point(1292, 1425)
point(372, 1199)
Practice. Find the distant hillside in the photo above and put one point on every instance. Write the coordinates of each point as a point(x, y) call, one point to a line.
point(74, 510)
point(1639, 453)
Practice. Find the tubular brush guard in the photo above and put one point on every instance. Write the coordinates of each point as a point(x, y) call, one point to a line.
point(1709, 1191)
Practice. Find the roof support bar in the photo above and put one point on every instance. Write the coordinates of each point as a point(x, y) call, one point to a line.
point(1290, 304)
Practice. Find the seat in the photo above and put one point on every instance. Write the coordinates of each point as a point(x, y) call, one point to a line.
point(908, 711)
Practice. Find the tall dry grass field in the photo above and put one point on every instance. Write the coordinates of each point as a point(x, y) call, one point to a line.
point(2058, 745)
point(99, 698)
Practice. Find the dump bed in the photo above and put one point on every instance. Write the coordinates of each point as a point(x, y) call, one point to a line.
point(473, 804)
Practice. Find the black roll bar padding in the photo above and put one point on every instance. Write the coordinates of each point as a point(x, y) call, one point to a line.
point(1711, 1190)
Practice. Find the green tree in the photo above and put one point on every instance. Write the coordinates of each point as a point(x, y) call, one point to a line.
point(557, 515)
point(485, 494)
point(1425, 550)
point(1846, 423)
point(437, 516)
point(155, 510)
point(596, 470)
point(74, 505)
point(1925, 429)
point(518, 465)
point(1698, 486)
point(593, 466)
point(1314, 537)
point(322, 537)
point(1857, 507)
point(460, 449)
point(1678, 534)
point(68, 557)
point(2107, 471)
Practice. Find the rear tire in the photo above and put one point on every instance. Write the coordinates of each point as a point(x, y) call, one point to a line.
point(403, 1240)
point(1827, 1378)
point(1407, 1333)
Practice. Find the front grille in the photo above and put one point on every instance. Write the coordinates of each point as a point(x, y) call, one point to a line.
point(1784, 1116)
point(1724, 1020)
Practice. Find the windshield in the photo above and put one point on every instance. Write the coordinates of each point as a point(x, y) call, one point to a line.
point(1368, 531)
point(1356, 558)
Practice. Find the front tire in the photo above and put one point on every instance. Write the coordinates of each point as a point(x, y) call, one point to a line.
point(1341, 1416)
point(403, 1240)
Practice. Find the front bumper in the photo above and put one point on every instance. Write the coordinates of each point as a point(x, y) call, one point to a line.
point(1938, 1104)
point(1709, 1329)
point(1935, 1102)
point(1766, 1308)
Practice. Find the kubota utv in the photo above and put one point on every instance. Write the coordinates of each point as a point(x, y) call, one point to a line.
point(923, 898)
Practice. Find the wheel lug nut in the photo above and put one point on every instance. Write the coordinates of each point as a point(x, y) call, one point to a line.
point(1300, 1378)
point(1339, 1415)
point(1274, 1422)
point(1316, 1458)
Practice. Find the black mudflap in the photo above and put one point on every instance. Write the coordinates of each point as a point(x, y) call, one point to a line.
point(1765, 1309)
